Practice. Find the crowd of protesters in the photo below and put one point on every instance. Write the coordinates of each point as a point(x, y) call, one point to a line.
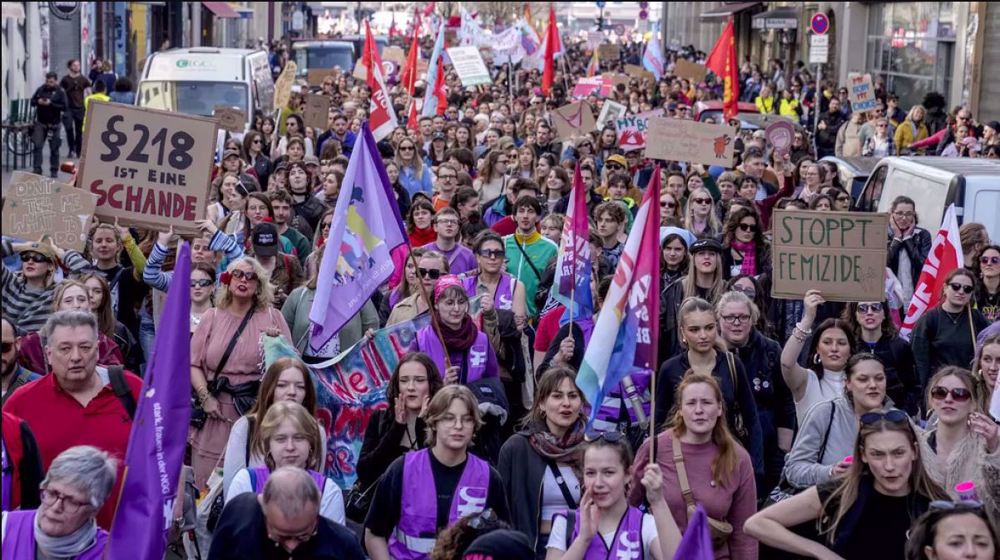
point(801, 426)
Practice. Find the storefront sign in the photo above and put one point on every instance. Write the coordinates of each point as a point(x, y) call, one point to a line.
point(149, 168)
point(37, 206)
point(696, 142)
point(841, 254)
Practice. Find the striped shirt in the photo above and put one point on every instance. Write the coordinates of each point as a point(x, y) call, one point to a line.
point(30, 307)
point(154, 276)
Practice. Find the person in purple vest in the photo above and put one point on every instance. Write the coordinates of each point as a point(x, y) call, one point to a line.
point(79, 481)
point(428, 490)
point(605, 526)
point(290, 437)
point(460, 257)
point(508, 292)
point(470, 354)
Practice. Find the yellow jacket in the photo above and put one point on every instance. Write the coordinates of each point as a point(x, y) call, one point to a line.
point(86, 103)
point(764, 105)
point(905, 134)
point(788, 108)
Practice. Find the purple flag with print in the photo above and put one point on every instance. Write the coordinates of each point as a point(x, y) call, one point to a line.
point(696, 544)
point(159, 432)
point(366, 227)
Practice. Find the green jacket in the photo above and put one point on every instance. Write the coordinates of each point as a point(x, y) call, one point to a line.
point(540, 251)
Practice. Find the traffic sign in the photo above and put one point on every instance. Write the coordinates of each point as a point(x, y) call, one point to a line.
point(819, 23)
point(819, 49)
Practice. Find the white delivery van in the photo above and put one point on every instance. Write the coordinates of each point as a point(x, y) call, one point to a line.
point(197, 79)
point(972, 184)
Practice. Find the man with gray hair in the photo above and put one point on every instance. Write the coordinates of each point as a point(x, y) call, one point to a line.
point(78, 483)
point(283, 522)
point(79, 403)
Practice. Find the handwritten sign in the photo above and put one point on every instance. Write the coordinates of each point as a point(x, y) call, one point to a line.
point(315, 76)
point(632, 130)
point(469, 65)
point(38, 206)
point(610, 113)
point(608, 51)
point(690, 70)
point(148, 168)
point(283, 85)
point(842, 254)
point(860, 91)
point(692, 141)
point(316, 111)
point(230, 118)
point(639, 72)
point(573, 120)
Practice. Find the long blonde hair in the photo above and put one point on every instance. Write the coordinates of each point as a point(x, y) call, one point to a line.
point(713, 222)
point(304, 422)
point(264, 296)
point(725, 463)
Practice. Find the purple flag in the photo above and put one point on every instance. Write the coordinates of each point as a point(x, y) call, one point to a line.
point(366, 227)
point(159, 432)
point(696, 544)
point(571, 286)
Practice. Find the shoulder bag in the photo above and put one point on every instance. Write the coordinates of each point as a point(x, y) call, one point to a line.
point(721, 530)
point(786, 489)
point(198, 416)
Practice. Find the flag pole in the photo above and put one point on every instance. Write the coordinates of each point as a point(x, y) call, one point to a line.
point(434, 320)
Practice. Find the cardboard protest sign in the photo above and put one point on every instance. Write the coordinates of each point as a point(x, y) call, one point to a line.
point(283, 85)
point(38, 206)
point(230, 118)
point(860, 92)
point(315, 76)
point(780, 135)
point(573, 120)
point(639, 72)
point(587, 86)
point(842, 254)
point(469, 66)
point(632, 130)
point(315, 112)
point(149, 168)
point(610, 112)
point(609, 51)
point(693, 141)
point(690, 70)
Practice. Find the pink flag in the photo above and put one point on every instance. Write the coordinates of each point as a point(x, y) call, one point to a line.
point(945, 256)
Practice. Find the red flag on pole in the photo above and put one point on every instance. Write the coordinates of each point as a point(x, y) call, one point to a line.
point(409, 75)
point(381, 117)
point(722, 61)
point(412, 123)
point(944, 257)
point(551, 36)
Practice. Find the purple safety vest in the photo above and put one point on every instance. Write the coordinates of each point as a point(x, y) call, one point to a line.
point(503, 299)
point(428, 342)
point(627, 542)
point(260, 474)
point(20, 540)
point(416, 531)
point(8, 477)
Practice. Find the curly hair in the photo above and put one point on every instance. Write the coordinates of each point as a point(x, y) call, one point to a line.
point(265, 291)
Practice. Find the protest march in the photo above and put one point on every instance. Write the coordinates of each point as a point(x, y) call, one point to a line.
point(496, 290)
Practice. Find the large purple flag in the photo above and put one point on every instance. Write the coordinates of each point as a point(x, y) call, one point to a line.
point(571, 286)
point(366, 227)
point(159, 432)
point(696, 544)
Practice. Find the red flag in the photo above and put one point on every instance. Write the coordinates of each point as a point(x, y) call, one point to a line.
point(381, 117)
point(551, 36)
point(945, 256)
point(392, 27)
point(439, 91)
point(412, 122)
point(722, 61)
point(408, 77)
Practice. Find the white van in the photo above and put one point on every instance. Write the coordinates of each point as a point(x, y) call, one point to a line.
point(195, 80)
point(934, 183)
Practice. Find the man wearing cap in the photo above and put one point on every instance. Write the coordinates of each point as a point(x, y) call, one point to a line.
point(27, 296)
point(285, 270)
point(675, 294)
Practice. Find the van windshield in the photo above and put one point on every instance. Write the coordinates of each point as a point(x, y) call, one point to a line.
point(324, 57)
point(193, 98)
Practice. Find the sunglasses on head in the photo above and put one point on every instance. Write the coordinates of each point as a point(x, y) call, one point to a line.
point(870, 307)
point(481, 519)
point(748, 227)
point(610, 437)
point(989, 260)
point(961, 288)
point(959, 394)
point(974, 505)
point(203, 283)
point(431, 273)
point(893, 416)
point(492, 253)
point(34, 257)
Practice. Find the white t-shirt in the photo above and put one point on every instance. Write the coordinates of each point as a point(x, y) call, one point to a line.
point(553, 501)
point(331, 505)
point(557, 538)
point(819, 390)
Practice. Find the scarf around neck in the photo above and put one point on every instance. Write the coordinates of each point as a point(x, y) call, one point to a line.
point(460, 339)
point(749, 264)
point(69, 545)
point(563, 450)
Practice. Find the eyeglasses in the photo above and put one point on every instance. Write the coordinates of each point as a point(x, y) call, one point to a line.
point(431, 273)
point(961, 288)
point(869, 307)
point(667, 204)
point(904, 214)
point(6, 347)
point(749, 292)
point(241, 275)
point(959, 394)
point(503, 161)
point(326, 162)
point(989, 260)
point(406, 148)
point(735, 319)
point(447, 177)
point(300, 538)
point(256, 141)
point(447, 221)
point(893, 416)
point(974, 505)
point(34, 257)
point(615, 166)
point(203, 283)
point(748, 227)
point(492, 253)
point(481, 519)
point(701, 200)
point(51, 497)
point(610, 437)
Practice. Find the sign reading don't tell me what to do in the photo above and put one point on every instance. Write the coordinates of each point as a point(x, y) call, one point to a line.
point(841, 254)
point(148, 168)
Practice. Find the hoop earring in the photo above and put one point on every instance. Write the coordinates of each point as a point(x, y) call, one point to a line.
point(816, 359)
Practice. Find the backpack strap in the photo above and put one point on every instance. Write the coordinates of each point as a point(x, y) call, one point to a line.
point(570, 527)
point(826, 435)
point(116, 374)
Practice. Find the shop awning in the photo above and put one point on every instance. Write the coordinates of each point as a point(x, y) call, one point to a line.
point(244, 12)
point(724, 12)
point(778, 18)
point(221, 9)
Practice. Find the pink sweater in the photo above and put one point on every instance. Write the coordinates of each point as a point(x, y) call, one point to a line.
point(734, 501)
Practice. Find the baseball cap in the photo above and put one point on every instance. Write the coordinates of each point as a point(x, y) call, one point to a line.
point(502, 544)
point(311, 160)
point(43, 249)
point(707, 244)
point(619, 159)
point(228, 153)
point(265, 239)
point(438, 136)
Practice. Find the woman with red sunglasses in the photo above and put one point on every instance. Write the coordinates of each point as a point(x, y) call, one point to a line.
point(964, 445)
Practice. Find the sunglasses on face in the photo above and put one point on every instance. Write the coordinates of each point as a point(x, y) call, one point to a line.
point(893, 416)
point(989, 260)
point(492, 253)
point(667, 204)
point(431, 273)
point(406, 148)
point(614, 166)
point(959, 394)
point(242, 275)
point(702, 201)
point(34, 257)
point(869, 308)
point(203, 283)
point(748, 227)
point(955, 286)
